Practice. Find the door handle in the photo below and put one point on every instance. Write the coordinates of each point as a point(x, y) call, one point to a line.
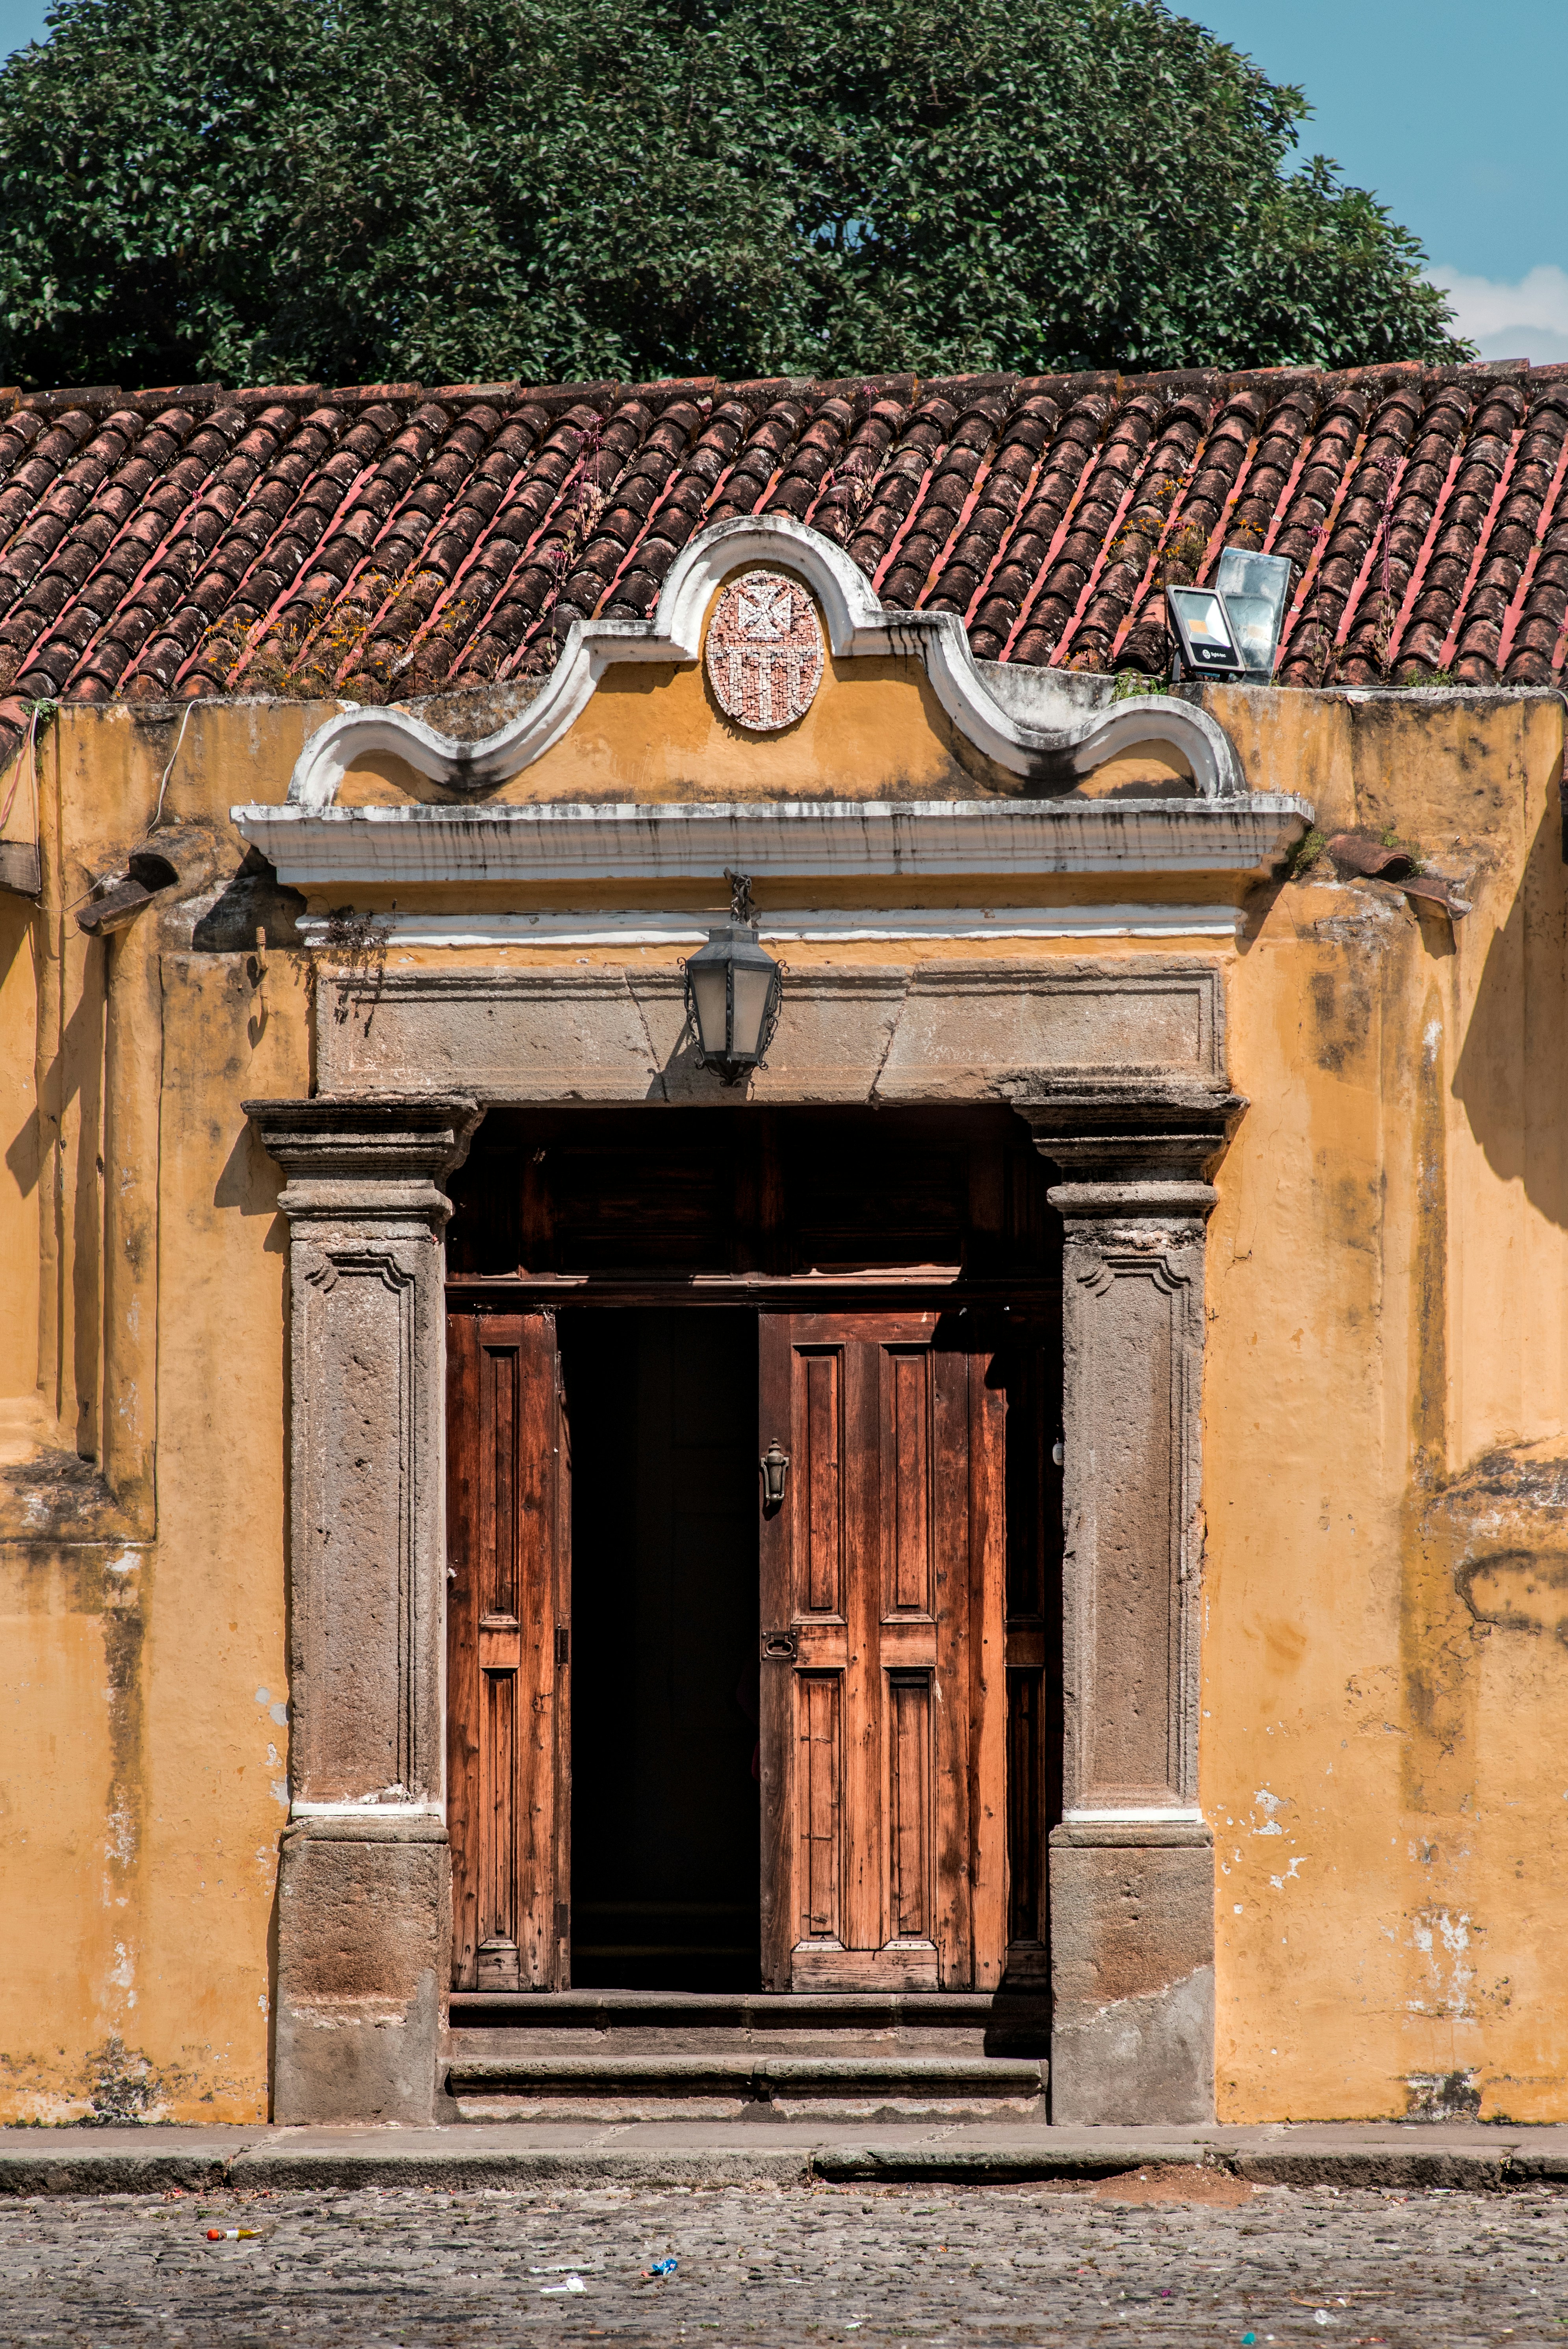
point(780, 1647)
point(775, 1465)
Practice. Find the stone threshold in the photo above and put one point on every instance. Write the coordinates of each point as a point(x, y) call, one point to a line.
point(1346, 2155)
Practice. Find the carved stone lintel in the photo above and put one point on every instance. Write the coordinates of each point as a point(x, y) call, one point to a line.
point(364, 1887)
point(885, 1032)
point(1131, 1865)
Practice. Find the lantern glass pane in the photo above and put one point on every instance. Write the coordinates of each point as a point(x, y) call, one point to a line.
point(753, 984)
point(1256, 588)
point(710, 993)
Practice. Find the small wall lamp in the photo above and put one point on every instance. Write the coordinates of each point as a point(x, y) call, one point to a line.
point(775, 1465)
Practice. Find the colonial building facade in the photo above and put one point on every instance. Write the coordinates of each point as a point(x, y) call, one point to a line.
point(1024, 1531)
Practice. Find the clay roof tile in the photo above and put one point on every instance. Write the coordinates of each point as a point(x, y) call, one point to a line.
point(186, 538)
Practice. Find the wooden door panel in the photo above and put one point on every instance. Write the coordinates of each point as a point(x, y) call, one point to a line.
point(507, 1613)
point(884, 1720)
point(818, 1433)
point(907, 1517)
point(909, 1906)
point(820, 1798)
point(496, 1918)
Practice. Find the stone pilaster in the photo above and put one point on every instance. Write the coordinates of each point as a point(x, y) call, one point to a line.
point(364, 1889)
point(1131, 1862)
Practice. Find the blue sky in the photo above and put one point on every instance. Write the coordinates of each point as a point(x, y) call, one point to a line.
point(1450, 112)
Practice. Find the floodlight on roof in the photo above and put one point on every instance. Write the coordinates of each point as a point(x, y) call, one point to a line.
point(1231, 630)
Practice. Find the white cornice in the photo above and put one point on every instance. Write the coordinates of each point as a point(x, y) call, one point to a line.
point(1063, 740)
point(797, 840)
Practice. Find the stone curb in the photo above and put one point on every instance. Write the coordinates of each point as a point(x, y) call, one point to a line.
point(439, 2157)
point(71, 2171)
point(529, 2165)
point(1477, 2171)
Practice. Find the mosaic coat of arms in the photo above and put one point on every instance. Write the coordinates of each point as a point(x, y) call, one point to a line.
point(764, 651)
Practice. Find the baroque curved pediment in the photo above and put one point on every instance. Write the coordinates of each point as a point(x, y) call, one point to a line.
point(1045, 729)
point(1058, 742)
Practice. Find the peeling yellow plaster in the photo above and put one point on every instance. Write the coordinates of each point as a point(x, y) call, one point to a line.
point(1384, 1753)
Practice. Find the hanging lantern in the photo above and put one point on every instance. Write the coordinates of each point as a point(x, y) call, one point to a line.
point(732, 992)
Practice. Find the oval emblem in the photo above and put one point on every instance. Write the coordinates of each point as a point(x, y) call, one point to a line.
point(765, 651)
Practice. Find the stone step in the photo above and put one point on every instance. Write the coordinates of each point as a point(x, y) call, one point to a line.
point(720, 2085)
point(487, 2024)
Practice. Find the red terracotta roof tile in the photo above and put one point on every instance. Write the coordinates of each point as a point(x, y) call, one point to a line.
point(381, 540)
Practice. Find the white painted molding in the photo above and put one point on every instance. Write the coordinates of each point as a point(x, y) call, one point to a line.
point(388, 1809)
point(1066, 736)
point(812, 926)
point(851, 840)
point(1135, 1815)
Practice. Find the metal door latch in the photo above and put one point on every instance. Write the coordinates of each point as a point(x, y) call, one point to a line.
point(780, 1647)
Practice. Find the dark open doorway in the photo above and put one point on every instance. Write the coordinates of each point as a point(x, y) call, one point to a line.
point(665, 1832)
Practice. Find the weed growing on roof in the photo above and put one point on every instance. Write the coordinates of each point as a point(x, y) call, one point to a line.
point(1389, 838)
point(585, 509)
point(1306, 854)
point(852, 485)
point(1140, 534)
point(330, 649)
point(1383, 611)
point(1322, 654)
point(1132, 682)
point(583, 512)
point(1181, 556)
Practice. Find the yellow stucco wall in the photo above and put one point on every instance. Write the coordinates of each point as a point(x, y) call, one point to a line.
point(1384, 1761)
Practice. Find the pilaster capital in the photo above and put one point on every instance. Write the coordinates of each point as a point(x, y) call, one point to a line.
point(348, 1157)
point(1130, 1148)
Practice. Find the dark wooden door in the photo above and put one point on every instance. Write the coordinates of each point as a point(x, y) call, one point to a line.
point(508, 1648)
point(884, 1698)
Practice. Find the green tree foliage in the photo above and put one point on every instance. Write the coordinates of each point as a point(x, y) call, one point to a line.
point(448, 189)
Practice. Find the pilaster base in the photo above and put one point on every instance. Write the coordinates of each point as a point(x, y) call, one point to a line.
point(1132, 1966)
point(364, 1951)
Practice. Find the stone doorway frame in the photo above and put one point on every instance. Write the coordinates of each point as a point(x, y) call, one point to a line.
point(1117, 1069)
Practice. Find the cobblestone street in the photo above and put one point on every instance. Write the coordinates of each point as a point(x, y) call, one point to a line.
point(1122, 2261)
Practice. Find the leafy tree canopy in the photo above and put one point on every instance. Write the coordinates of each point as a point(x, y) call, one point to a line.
point(443, 191)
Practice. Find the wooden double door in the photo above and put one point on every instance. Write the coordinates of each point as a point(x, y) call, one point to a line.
point(902, 1689)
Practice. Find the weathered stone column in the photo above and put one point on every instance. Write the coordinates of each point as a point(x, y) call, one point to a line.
point(1131, 1863)
point(364, 1889)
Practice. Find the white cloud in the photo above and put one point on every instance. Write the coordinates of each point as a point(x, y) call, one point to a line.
point(1526, 321)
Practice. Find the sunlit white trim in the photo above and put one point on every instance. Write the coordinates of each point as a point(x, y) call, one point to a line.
point(812, 927)
point(370, 1808)
point(1135, 1815)
point(1062, 736)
